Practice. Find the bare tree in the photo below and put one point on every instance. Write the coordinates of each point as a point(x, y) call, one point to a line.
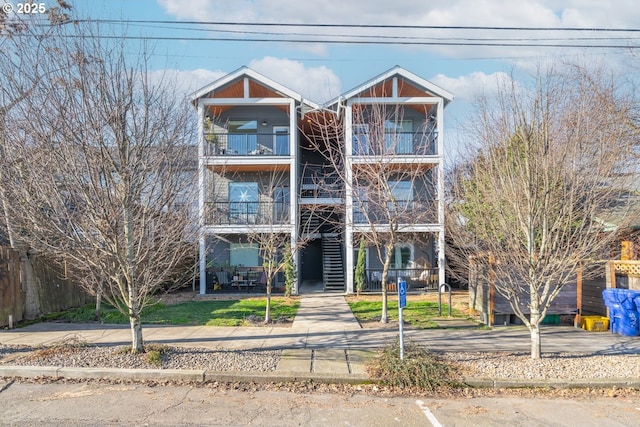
point(391, 188)
point(529, 206)
point(100, 177)
point(24, 40)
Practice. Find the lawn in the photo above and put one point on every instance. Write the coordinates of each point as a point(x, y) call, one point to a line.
point(418, 312)
point(210, 313)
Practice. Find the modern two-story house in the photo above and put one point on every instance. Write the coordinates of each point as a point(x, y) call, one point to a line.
point(321, 177)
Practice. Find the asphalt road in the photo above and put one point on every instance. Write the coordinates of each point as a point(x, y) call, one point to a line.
point(94, 403)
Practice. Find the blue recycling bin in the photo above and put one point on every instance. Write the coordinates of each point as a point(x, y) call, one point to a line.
point(623, 311)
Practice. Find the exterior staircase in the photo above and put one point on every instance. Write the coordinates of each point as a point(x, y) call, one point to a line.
point(332, 264)
point(309, 224)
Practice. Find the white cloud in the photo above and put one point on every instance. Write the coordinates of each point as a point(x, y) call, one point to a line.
point(434, 12)
point(186, 81)
point(318, 84)
point(498, 13)
point(467, 88)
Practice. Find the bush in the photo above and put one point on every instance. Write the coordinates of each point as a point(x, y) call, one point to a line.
point(420, 368)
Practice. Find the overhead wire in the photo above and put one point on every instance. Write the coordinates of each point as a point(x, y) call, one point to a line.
point(372, 39)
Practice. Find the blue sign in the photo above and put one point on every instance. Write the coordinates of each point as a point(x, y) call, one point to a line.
point(402, 293)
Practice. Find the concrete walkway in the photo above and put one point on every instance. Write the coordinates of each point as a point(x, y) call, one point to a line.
point(325, 340)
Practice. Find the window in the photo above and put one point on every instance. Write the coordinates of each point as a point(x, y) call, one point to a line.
point(281, 203)
point(243, 254)
point(402, 257)
point(281, 140)
point(360, 206)
point(243, 200)
point(398, 136)
point(403, 193)
point(243, 137)
point(360, 139)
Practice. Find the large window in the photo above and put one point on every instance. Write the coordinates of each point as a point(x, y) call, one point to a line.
point(243, 138)
point(243, 201)
point(243, 254)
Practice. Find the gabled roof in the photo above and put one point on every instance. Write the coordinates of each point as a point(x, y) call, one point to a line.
point(243, 72)
point(415, 80)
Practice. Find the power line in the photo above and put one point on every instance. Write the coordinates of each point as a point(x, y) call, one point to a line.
point(368, 26)
point(386, 36)
point(363, 42)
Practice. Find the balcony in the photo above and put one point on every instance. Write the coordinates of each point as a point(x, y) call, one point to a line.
point(246, 144)
point(250, 213)
point(408, 212)
point(397, 143)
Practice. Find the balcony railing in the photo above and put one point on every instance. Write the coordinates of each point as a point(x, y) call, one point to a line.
point(409, 212)
point(397, 143)
point(246, 144)
point(320, 182)
point(424, 279)
point(251, 213)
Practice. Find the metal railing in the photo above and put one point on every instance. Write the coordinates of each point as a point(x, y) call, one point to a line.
point(399, 143)
point(408, 212)
point(422, 279)
point(246, 144)
point(320, 182)
point(227, 213)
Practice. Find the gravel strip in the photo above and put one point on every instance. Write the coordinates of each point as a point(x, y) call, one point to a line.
point(498, 365)
point(563, 366)
point(118, 357)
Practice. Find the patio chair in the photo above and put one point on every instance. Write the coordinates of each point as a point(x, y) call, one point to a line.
point(223, 279)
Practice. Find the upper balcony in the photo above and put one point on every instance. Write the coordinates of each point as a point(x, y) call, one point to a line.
point(394, 143)
point(246, 144)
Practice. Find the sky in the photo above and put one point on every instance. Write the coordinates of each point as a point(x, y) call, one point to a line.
point(322, 69)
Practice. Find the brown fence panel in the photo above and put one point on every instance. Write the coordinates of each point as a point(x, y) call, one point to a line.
point(57, 292)
point(12, 297)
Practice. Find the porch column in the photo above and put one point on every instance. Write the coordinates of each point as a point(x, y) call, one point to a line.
point(202, 255)
point(348, 198)
point(441, 243)
point(293, 189)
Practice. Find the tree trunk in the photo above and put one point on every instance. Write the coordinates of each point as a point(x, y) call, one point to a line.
point(384, 317)
point(534, 328)
point(267, 313)
point(96, 316)
point(535, 342)
point(137, 344)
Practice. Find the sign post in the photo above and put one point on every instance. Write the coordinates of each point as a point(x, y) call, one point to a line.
point(402, 303)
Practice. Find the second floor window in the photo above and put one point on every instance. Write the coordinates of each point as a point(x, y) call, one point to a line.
point(402, 193)
point(243, 198)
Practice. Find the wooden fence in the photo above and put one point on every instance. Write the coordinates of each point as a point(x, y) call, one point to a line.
point(32, 286)
point(12, 297)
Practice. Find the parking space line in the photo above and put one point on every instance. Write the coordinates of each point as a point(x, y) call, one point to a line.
point(427, 412)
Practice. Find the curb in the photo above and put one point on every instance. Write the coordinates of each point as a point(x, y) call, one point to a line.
point(199, 376)
point(498, 383)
